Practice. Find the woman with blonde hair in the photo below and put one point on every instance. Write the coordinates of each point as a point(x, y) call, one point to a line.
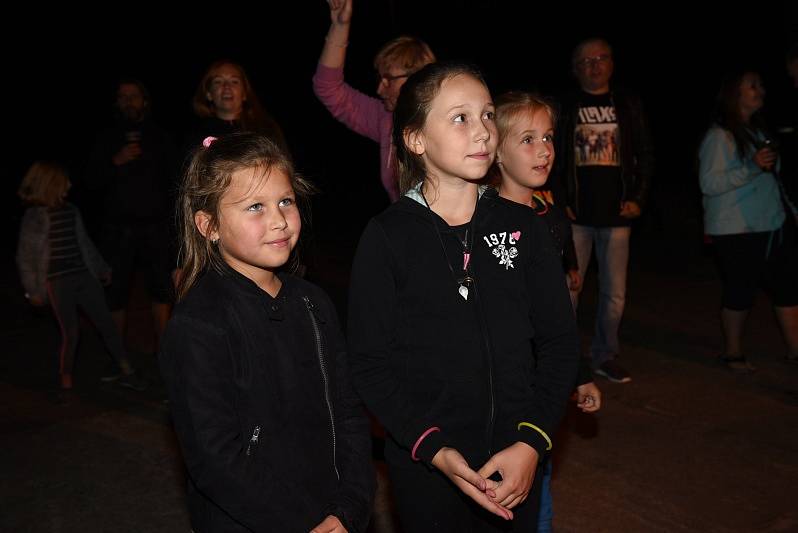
point(368, 116)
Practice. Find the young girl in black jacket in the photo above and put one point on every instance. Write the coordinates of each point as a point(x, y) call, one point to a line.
point(452, 287)
point(272, 434)
point(524, 159)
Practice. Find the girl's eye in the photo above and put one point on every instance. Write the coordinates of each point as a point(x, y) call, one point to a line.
point(459, 118)
point(255, 207)
point(526, 140)
point(286, 202)
point(489, 115)
point(548, 138)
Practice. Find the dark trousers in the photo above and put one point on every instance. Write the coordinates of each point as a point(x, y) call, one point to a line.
point(143, 246)
point(81, 290)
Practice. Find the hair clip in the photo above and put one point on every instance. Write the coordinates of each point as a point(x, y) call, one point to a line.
point(208, 141)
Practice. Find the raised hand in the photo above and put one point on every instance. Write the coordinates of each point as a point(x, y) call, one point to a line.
point(340, 11)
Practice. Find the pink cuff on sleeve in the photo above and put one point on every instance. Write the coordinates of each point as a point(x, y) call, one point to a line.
point(420, 439)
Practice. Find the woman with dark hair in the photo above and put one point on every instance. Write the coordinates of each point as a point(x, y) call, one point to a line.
point(748, 216)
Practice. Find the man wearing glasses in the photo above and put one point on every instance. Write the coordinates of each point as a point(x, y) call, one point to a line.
point(606, 165)
point(368, 116)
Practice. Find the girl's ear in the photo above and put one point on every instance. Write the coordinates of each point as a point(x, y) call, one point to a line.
point(414, 141)
point(203, 222)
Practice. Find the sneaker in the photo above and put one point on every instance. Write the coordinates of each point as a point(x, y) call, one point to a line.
point(613, 372)
point(111, 373)
point(133, 381)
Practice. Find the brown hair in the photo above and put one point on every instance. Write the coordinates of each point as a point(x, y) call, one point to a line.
point(204, 182)
point(254, 117)
point(45, 183)
point(412, 108)
point(728, 115)
point(405, 52)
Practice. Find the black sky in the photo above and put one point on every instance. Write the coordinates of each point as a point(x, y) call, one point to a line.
point(62, 71)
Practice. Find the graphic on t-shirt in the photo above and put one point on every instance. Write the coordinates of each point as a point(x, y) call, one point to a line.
point(596, 137)
point(496, 241)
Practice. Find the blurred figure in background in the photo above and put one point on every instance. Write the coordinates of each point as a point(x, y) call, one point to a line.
point(368, 116)
point(748, 216)
point(58, 263)
point(132, 170)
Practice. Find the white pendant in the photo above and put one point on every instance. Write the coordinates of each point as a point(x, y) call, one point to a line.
point(463, 290)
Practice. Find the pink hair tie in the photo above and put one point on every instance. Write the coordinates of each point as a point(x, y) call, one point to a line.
point(420, 439)
point(207, 141)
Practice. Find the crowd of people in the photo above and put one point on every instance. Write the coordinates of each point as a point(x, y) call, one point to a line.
point(461, 337)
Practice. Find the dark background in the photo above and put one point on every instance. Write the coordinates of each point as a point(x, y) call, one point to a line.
point(62, 73)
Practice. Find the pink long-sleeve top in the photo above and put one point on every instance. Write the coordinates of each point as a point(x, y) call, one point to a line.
point(360, 113)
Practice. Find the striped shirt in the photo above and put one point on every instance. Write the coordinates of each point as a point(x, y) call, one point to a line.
point(65, 256)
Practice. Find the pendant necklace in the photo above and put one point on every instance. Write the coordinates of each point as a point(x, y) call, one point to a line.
point(465, 282)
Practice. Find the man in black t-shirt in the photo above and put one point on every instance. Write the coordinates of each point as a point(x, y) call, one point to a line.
point(606, 163)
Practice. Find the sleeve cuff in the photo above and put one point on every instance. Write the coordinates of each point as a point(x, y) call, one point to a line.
point(535, 437)
point(429, 446)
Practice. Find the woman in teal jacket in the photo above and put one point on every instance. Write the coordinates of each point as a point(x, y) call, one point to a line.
point(748, 216)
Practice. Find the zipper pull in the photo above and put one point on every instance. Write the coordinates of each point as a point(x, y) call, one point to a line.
point(253, 440)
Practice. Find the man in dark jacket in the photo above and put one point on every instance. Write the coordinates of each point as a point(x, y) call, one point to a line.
point(132, 170)
point(607, 164)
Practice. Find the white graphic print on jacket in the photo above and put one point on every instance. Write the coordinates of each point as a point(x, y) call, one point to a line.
point(501, 245)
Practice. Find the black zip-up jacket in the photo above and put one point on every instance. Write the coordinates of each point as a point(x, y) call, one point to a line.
point(636, 148)
point(562, 234)
point(424, 357)
point(272, 434)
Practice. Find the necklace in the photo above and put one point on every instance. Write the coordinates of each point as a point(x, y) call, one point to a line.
point(465, 282)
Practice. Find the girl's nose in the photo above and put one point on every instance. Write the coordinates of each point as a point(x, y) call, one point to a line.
point(278, 221)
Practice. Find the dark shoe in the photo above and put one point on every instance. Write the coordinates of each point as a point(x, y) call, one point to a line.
point(613, 372)
point(133, 381)
point(737, 364)
point(111, 373)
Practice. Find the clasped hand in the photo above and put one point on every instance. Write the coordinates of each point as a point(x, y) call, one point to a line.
point(515, 464)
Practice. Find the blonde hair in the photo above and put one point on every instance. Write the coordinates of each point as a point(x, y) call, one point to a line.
point(45, 183)
point(509, 107)
point(405, 52)
point(204, 183)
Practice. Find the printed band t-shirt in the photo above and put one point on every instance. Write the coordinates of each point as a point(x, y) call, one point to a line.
point(597, 160)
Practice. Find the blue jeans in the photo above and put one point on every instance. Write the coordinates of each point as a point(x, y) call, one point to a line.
point(612, 255)
point(546, 512)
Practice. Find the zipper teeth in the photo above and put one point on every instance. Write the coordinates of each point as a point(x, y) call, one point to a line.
point(324, 376)
point(489, 354)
